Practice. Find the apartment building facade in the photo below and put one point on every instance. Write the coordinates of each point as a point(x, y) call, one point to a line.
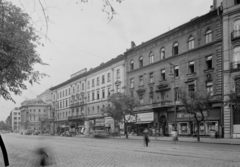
point(188, 57)
point(16, 119)
point(231, 64)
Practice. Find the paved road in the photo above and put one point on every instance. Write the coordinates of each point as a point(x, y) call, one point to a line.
point(89, 152)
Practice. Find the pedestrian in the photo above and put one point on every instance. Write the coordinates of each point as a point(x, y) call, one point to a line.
point(146, 137)
point(43, 156)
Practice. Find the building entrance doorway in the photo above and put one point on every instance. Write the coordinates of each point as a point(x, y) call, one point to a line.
point(163, 125)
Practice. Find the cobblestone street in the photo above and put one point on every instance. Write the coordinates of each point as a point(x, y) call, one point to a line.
point(90, 152)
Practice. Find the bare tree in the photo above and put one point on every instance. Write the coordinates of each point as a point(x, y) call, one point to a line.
point(196, 104)
point(121, 109)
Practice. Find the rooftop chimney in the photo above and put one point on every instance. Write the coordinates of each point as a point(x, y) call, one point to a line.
point(132, 45)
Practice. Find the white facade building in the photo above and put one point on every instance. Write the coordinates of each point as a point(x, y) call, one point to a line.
point(16, 119)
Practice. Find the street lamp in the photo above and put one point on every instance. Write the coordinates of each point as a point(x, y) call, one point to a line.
point(174, 98)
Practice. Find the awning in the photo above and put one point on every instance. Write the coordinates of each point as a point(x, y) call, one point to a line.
point(144, 122)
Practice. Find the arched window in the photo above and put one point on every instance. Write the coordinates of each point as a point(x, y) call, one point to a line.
point(131, 65)
point(236, 58)
point(162, 53)
point(151, 58)
point(175, 48)
point(140, 62)
point(208, 36)
point(191, 43)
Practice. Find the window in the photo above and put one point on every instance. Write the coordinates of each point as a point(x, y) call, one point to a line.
point(60, 94)
point(141, 100)
point(103, 79)
point(191, 90)
point(162, 53)
point(236, 58)
point(190, 43)
point(103, 93)
point(176, 71)
point(151, 58)
point(163, 95)
point(236, 29)
point(63, 93)
point(208, 36)
point(92, 82)
point(69, 91)
point(73, 89)
point(66, 92)
point(109, 91)
point(237, 2)
point(177, 94)
point(151, 100)
point(82, 86)
point(141, 80)
point(163, 75)
point(209, 62)
point(109, 79)
point(92, 96)
point(118, 73)
point(98, 109)
point(88, 110)
point(66, 103)
point(77, 89)
point(209, 88)
point(103, 107)
point(97, 80)
point(151, 77)
point(140, 62)
point(88, 84)
point(191, 67)
point(88, 97)
point(131, 65)
point(118, 88)
point(175, 48)
point(98, 95)
point(132, 83)
point(92, 109)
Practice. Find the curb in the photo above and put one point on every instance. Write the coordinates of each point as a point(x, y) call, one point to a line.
point(123, 138)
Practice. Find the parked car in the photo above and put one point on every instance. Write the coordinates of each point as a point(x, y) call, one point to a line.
point(36, 133)
point(29, 132)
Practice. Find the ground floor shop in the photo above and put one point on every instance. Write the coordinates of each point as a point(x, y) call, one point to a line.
point(186, 123)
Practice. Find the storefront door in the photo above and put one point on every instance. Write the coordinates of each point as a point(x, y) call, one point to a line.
point(163, 127)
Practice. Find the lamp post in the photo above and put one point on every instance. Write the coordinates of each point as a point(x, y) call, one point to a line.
point(174, 98)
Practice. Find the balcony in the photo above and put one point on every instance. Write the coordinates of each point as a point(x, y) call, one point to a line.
point(235, 66)
point(77, 117)
point(165, 103)
point(75, 104)
point(235, 35)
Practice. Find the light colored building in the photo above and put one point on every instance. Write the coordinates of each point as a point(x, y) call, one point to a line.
point(32, 113)
point(79, 100)
point(16, 119)
point(101, 82)
point(46, 96)
point(231, 64)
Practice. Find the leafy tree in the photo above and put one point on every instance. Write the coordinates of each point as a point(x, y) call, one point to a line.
point(18, 42)
point(196, 103)
point(234, 100)
point(121, 108)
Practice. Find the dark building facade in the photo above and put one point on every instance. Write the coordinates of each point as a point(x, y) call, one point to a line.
point(188, 57)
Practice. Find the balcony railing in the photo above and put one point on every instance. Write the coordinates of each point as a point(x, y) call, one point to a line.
point(235, 66)
point(235, 35)
point(74, 104)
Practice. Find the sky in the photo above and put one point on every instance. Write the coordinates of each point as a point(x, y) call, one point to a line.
point(81, 36)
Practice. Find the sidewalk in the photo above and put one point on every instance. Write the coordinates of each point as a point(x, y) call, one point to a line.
point(180, 139)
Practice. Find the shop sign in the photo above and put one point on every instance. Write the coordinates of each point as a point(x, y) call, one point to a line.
point(130, 118)
point(188, 115)
point(99, 122)
point(109, 121)
point(145, 117)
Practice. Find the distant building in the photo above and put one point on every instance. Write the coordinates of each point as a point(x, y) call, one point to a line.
point(33, 114)
point(46, 96)
point(16, 119)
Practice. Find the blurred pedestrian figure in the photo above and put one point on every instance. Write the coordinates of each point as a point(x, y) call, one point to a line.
point(43, 156)
point(174, 135)
point(146, 137)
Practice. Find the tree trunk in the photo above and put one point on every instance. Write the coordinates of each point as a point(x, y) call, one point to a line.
point(125, 130)
point(198, 130)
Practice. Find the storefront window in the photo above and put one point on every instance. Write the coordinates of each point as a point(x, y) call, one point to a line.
point(212, 126)
point(183, 128)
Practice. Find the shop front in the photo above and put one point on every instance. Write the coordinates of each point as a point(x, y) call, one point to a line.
point(144, 121)
point(186, 124)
